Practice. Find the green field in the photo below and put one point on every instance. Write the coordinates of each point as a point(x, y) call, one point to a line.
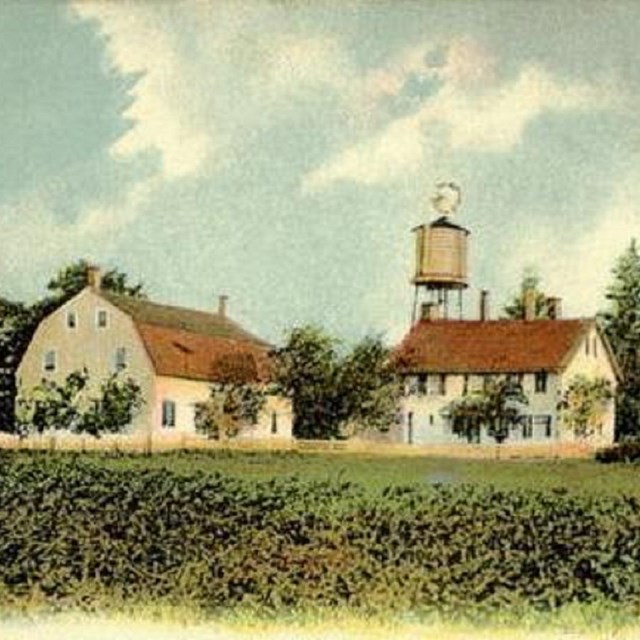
point(375, 472)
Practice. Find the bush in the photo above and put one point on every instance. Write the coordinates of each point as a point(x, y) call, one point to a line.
point(73, 532)
point(622, 452)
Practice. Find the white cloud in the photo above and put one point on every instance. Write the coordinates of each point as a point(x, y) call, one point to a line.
point(471, 111)
point(580, 270)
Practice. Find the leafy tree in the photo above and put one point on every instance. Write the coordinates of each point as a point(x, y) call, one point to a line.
point(368, 387)
point(52, 406)
point(69, 406)
point(332, 392)
point(72, 278)
point(583, 404)
point(498, 407)
point(113, 410)
point(305, 370)
point(516, 308)
point(621, 323)
point(229, 407)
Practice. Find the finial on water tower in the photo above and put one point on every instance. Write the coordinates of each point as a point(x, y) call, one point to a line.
point(447, 198)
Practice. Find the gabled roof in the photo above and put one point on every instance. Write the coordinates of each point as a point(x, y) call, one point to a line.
point(495, 346)
point(192, 344)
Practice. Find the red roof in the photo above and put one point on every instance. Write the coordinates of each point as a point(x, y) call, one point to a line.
point(196, 345)
point(495, 346)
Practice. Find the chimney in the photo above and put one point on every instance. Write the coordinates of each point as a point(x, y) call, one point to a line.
point(222, 305)
point(554, 308)
point(529, 304)
point(484, 305)
point(430, 311)
point(94, 277)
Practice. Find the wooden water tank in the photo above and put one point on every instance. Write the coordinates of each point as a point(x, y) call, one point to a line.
point(441, 255)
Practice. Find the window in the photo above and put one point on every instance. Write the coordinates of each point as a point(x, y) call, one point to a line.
point(121, 358)
point(72, 320)
point(422, 384)
point(101, 318)
point(431, 419)
point(465, 385)
point(50, 361)
point(595, 347)
point(274, 423)
point(542, 424)
point(527, 429)
point(436, 384)
point(541, 381)
point(586, 346)
point(168, 414)
point(410, 427)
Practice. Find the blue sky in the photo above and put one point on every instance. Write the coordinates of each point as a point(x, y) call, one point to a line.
point(281, 152)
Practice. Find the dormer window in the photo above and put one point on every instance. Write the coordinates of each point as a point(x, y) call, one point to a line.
point(102, 318)
point(72, 319)
point(49, 363)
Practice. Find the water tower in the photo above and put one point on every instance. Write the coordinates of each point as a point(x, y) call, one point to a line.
point(441, 256)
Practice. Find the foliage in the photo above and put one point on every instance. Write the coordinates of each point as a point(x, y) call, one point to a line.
point(331, 391)
point(498, 407)
point(516, 308)
point(72, 278)
point(229, 407)
point(628, 451)
point(621, 323)
point(69, 406)
point(115, 407)
point(18, 322)
point(583, 404)
point(368, 386)
point(72, 533)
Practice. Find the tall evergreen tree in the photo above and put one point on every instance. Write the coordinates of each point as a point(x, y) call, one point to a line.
point(621, 322)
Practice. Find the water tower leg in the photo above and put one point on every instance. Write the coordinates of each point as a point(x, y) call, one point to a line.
point(460, 304)
point(415, 306)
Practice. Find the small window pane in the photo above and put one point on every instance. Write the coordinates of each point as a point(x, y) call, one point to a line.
point(101, 318)
point(168, 414)
point(50, 361)
point(72, 320)
point(121, 358)
point(541, 382)
point(274, 423)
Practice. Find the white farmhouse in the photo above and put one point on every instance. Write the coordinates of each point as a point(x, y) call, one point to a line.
point(443, 359)
point(173, 353)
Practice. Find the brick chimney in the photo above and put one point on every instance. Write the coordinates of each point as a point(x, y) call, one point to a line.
point(484, 305)
point(94, 277)
point(530, 304)
point(430, 311)
point(222, 305)
point(554, 308)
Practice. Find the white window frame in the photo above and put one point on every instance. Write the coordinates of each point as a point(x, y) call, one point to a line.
point(106, 318)
point(165, 423)
point(54, 355)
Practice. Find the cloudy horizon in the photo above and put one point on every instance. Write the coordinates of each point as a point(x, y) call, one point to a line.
point(281, 152)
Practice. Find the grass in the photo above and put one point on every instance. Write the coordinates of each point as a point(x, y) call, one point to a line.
point(376, 472)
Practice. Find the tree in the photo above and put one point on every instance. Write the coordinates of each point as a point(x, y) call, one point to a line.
point(229, 407)
point(584, 403)
point(19, 321)
point(516, 308)
point(333, 391)
point(621, 324)
point(72, 278)
point(305, 370)
point(52, 406)
point(113, 410)
point(368, 387)
point(498, 407)
point(70, 406)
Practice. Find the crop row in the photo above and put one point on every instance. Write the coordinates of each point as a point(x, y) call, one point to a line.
point(72, 532)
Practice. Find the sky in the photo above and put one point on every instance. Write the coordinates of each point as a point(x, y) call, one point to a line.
point(280, 152)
